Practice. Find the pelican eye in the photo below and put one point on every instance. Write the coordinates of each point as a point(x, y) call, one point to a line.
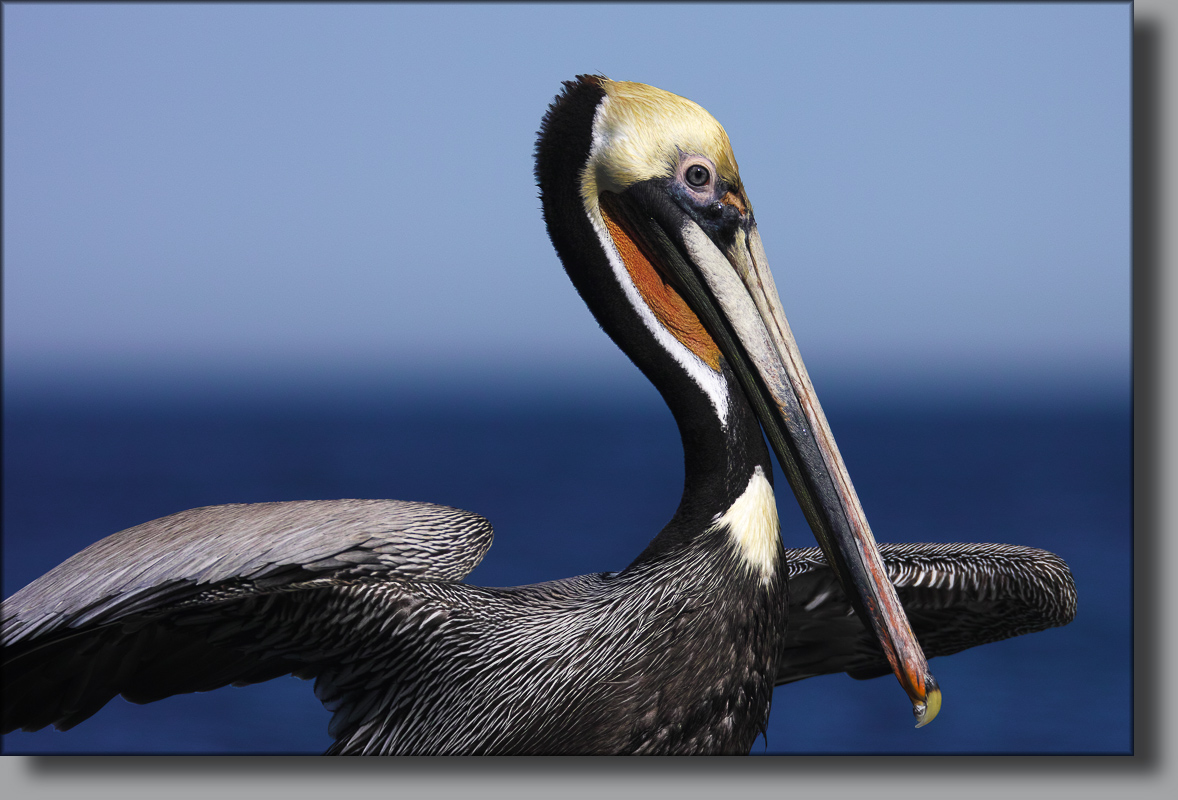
point(697, 175)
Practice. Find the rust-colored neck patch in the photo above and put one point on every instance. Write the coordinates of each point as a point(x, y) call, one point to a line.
point(668, 307)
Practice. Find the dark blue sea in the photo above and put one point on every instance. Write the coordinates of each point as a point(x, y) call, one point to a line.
point(581, 486)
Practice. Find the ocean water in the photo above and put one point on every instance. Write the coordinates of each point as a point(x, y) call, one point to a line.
point(578, 487)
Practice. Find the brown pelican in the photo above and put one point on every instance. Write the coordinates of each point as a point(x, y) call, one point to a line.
point(679, 652)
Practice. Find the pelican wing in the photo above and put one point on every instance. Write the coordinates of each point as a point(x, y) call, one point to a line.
point(956, 596)
point(204, 598)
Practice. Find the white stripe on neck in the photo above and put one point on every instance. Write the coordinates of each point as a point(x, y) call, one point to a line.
point(708, 379)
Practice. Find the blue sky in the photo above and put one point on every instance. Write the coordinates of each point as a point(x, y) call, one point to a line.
point(297, 190)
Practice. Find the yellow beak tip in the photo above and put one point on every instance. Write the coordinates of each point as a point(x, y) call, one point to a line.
point(927, 711)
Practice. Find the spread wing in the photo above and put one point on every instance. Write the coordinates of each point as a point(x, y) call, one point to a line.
point(956, 596)
point(220, 595)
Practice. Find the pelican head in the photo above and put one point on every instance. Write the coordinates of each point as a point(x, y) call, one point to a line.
point(645, 205)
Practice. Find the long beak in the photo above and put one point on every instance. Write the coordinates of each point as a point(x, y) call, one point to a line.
point(733, 293)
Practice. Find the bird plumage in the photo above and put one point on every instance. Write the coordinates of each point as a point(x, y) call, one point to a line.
point(408, 659)
point(344, 597)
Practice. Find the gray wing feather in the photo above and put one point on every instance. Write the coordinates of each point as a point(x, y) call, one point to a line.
point(956, 596)
point(260, 544)
point(198, 600)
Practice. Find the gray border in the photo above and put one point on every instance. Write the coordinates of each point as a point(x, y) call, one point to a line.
point(1146, 774)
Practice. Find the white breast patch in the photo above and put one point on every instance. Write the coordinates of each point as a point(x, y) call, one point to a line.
point(752, 523)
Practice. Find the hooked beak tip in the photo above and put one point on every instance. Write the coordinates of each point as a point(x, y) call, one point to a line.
point(926, 710)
